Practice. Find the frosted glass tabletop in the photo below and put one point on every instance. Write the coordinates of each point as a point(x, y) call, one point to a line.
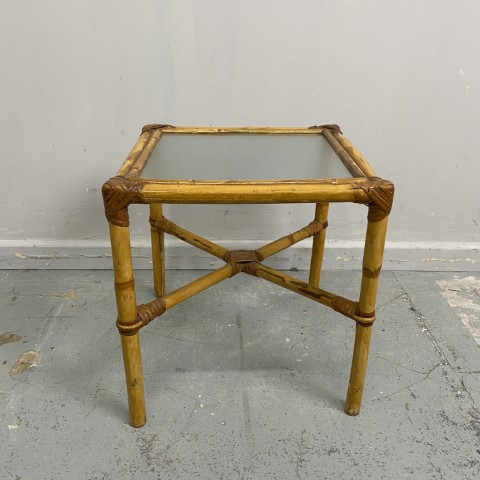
point(236, 156)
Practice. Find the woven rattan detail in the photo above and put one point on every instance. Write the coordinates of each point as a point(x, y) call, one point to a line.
point(332, 127)
point(345, 306)
point(145, 314)
point(314, 228)
point(379, 195)
point(161, 224)
point(118, 193)
point(155, 126)
point(250, 268)
point(243, 261)
point(243, 256)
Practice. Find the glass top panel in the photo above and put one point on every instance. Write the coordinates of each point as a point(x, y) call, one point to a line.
point(243, 157)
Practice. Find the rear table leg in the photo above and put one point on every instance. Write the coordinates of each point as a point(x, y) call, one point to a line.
point(321, 216)
point(158, 251)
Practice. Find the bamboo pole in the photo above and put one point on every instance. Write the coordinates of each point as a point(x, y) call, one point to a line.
point(355, 154)
point(197, 286)
point(285, 191)
point(127, 314)
point(193, 239)
point(295, 285)
point(158, 250)
point(351, 166)
point(359, 367)
point(318, 246)
point(145, 154)
point(134, 153)
point(282, 243)
point(242, 130)
point(372, 263)
point(132, 362)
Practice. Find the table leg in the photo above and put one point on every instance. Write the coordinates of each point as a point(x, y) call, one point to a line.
point(127, 313)
point(158, 251)
point(321, 216)
point(372, 263)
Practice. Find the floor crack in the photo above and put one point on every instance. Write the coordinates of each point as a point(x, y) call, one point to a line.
point(403, 366)
point(407, 387)
point(470, 396)
point(421, 322)
point(383, 305)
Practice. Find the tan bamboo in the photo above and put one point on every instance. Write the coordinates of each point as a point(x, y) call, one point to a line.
point(342, 154)
point(318, 246)
point(282, 243)
point(246, 130)
point(132, 362)
point(195, 240)
point(119, 192)
point(134, 153)
point(145, 154)
point(158, 251)
point(358, 370)
point(127, 313)
point(372, 263)
point(355, 154)
point(295, 285)
point(197, 286)
point(319, 182)
point(184, 192)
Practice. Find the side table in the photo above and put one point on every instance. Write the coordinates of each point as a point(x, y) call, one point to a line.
point(245, 165)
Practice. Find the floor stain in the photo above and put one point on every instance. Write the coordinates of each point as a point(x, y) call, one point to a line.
point(25, 361)
point(153, 452)
point(238, 323)
point(14, 294)
point(9, 337)
point(463, 294)
point(70, 295)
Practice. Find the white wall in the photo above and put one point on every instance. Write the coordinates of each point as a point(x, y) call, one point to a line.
point(79, 79)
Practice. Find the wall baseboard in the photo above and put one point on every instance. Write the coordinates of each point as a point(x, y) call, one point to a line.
point(89, 254)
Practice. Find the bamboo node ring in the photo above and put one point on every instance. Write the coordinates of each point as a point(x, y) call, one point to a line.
point(369, 273)
point(365, 319)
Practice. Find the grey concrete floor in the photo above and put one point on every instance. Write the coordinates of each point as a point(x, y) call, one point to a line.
point(245, 381)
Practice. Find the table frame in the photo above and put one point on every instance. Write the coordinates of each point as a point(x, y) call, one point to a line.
point(127, 187)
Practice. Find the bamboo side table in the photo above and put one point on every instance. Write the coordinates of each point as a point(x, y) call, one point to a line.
point(312, 165)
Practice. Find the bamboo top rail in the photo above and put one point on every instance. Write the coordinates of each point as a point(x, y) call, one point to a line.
point(151, 134)
point(244, 130)
point(128, 187)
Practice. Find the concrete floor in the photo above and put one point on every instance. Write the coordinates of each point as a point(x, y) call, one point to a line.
point(244, 381)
